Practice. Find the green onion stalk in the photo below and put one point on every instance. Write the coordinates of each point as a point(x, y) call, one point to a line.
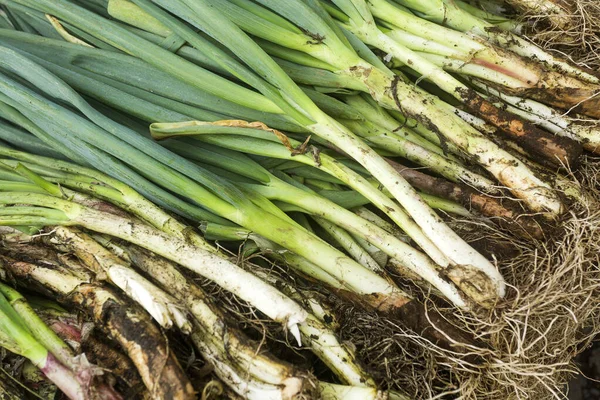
point(96, 184)
point(101, 186)
point(356, 18)
point(335, 107)
point(78, 364)
point(260, 142)
point(460, 20)
point(283, 189)
point(151, 113)
point(345, 61)
point(274, 252)
point(436, 163)
point(84, 248)
point(401, 141)
point(160, 95)
point(465, 55)
point(16, 336)
point(398, 124)
point(225, 200)
point(212, 328)
point(310, 116)
point(445, 46)
point(22, 140)
point(126, 323)
point(445, 12)
point(54, 211)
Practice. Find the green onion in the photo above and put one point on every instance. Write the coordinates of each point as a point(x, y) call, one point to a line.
point(250, 53)
point(283, 189)
point(447, 13)
point(362, 24)
point(223, 198)
point(260, 142)
point(16, 336)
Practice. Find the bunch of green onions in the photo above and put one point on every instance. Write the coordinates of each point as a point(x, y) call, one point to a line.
point(271, 378)
point(283, 127)
point(451, 249)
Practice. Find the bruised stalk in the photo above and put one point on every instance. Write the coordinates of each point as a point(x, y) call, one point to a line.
point(16, 337)
point(163, 308)
point(85, 339)
point(129, 325)
point(222, 338)
point(586, 132)
point(489, 206)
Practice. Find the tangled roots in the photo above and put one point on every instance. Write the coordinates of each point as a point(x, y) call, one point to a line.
point(578, 39)
point(527, 343)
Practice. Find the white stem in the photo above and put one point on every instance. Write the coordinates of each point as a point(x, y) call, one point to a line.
point(332, 391)
point(325, 344)
point(162, 307)
point(229, 276)
point(446, 240)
